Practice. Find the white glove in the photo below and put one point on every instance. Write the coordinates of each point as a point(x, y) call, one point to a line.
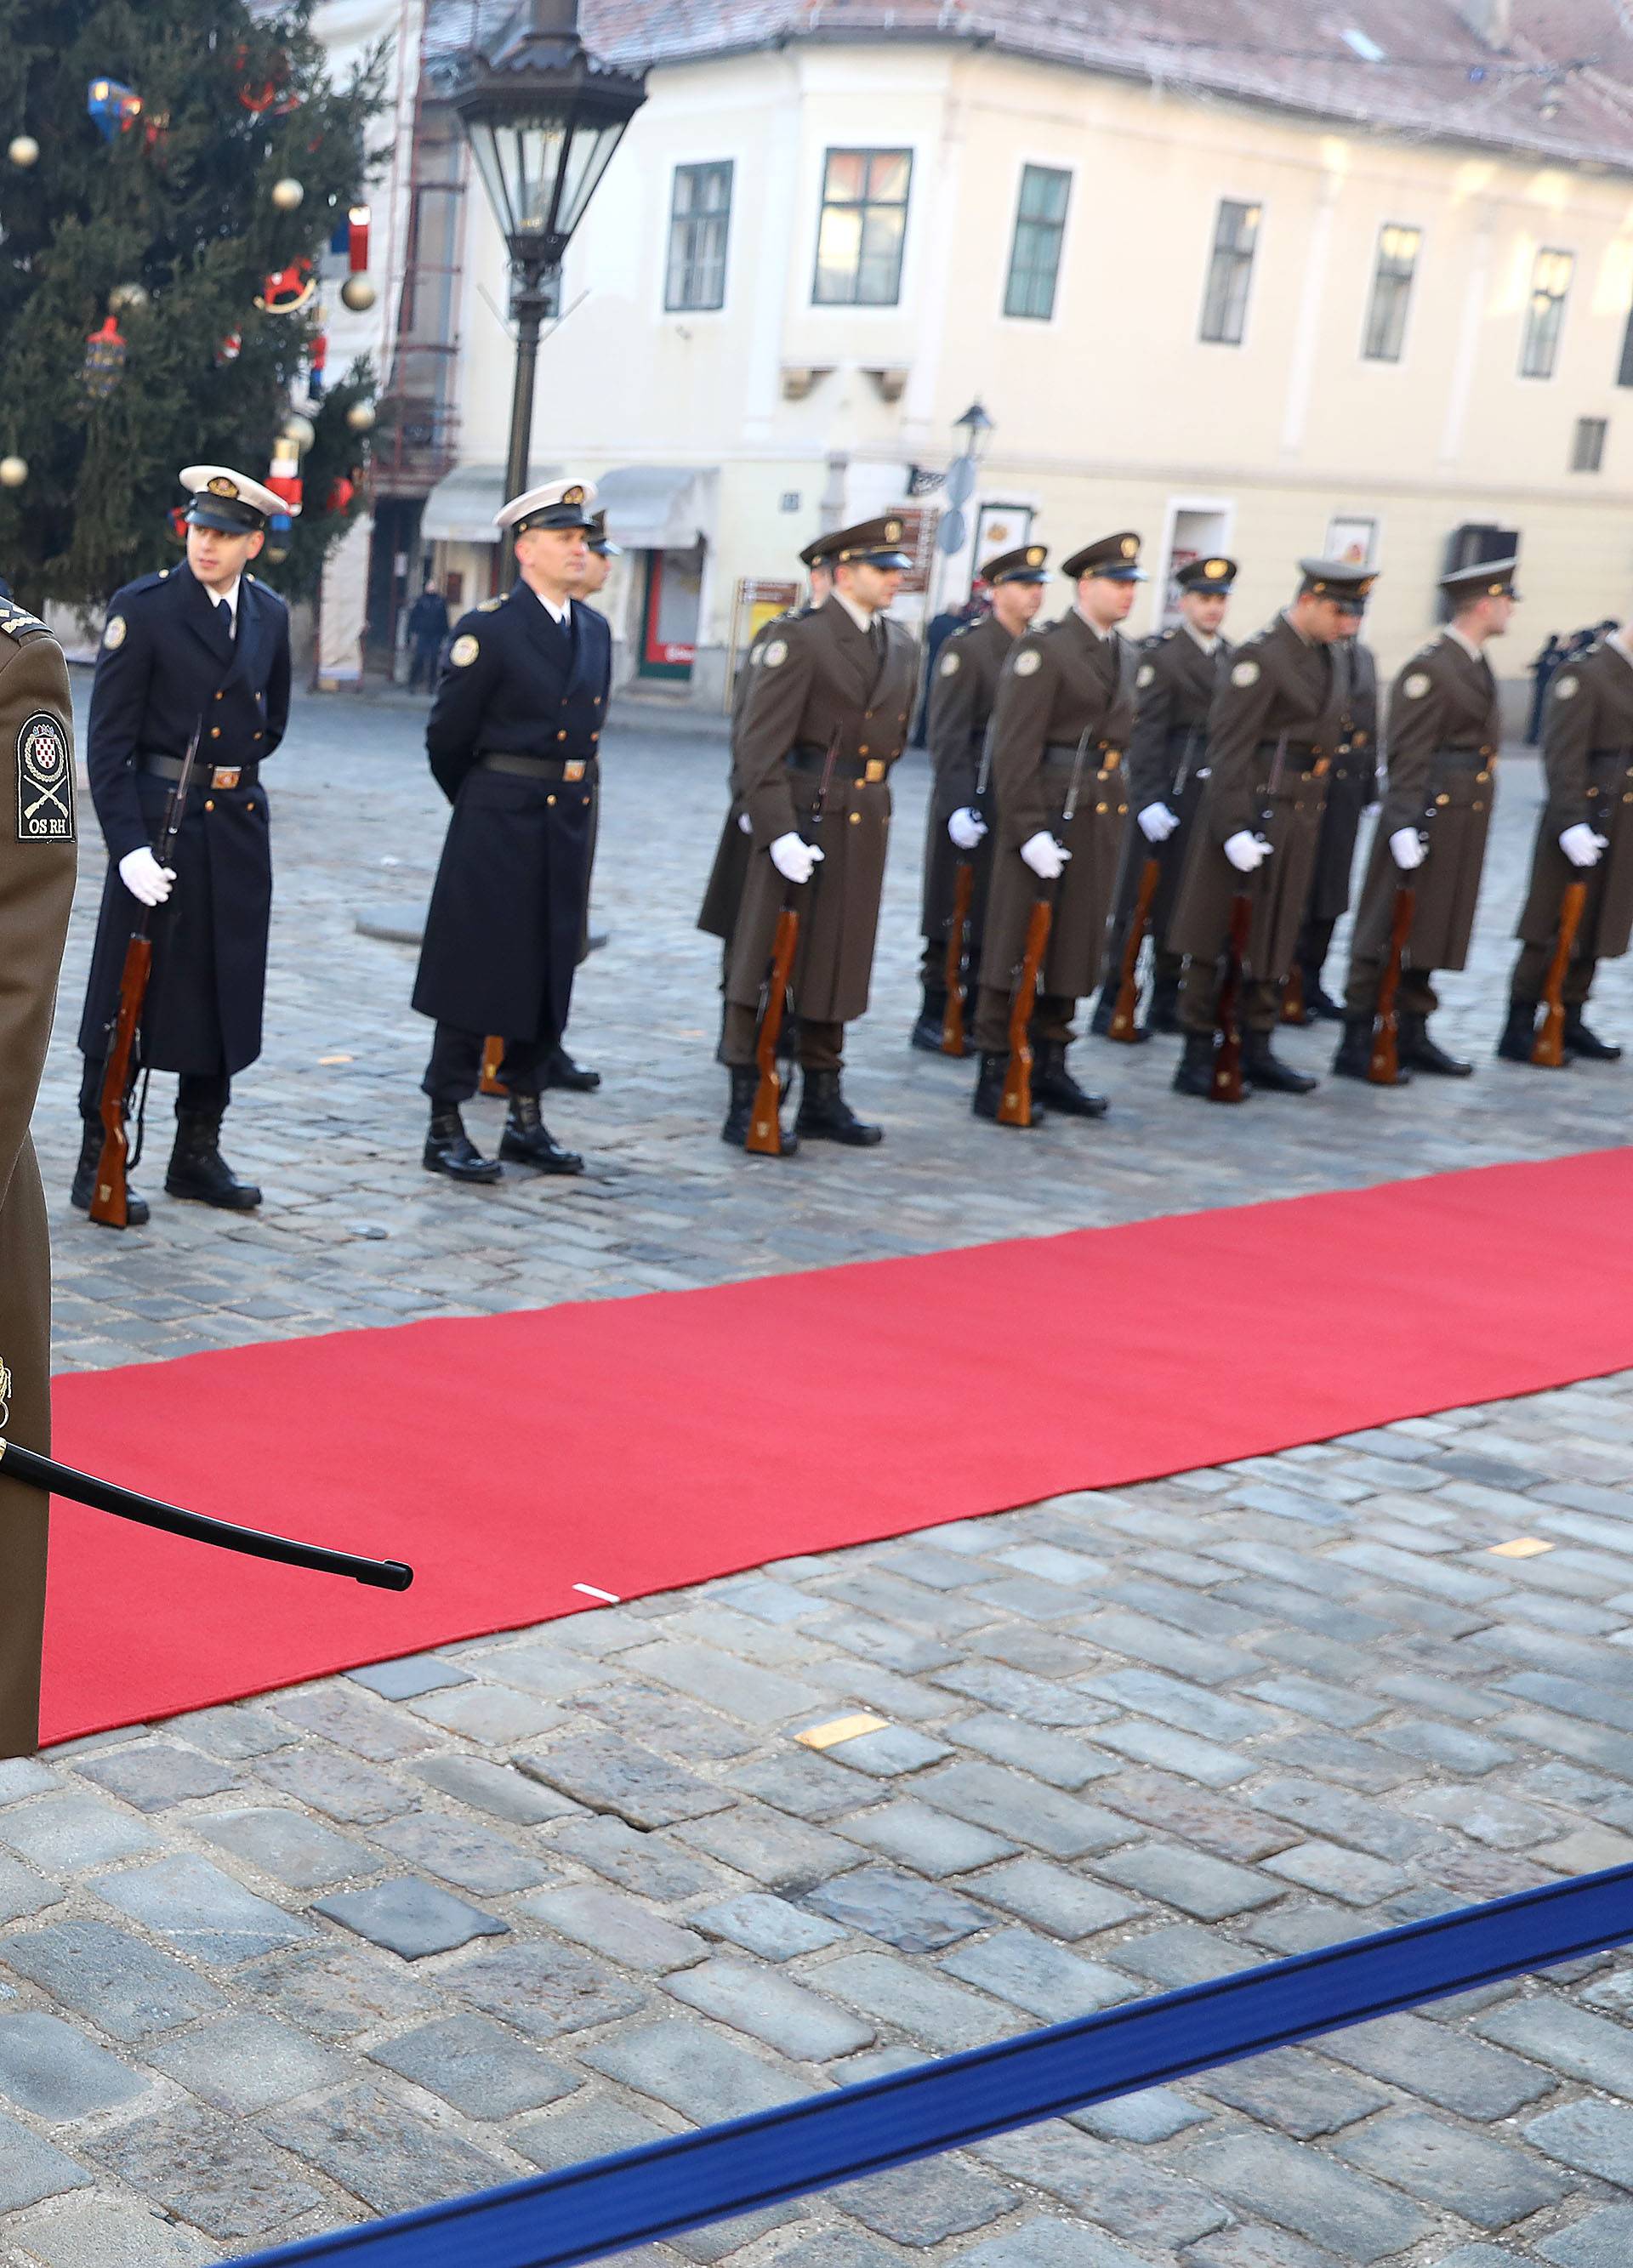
point(145, 878)
point(1045, 856)
point(1246, 852)
point(745, 825)
point(794, 858)
point(1582, 846)
point(966, 828)
point(1406, 848)
point(1158, 822)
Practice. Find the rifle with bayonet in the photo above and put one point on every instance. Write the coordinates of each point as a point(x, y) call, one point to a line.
point(764, 1135)
point(1547, 1049)
point(110, 1195)
point(955, 973)
point(1125, 1023)
point(1227, 1077)
point(1383, 1067)
point(1015, 1107)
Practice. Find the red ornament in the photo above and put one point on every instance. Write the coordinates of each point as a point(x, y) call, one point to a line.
point(288, 292)
point(357, 237)
point(265, 85)
point(317, 358)
point(177, 517)
point(341, 492)
point(230, 349)
point(105, 360)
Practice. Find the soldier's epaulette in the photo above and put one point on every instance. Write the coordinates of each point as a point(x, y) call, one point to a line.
point(143, 583)
point(488, 607)
point(267, 591)
point(18, 623)
point(1150, 643)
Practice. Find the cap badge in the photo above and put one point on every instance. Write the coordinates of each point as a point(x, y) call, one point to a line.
point(222, 487)
point(573, 495)
point(1034, 555)
point(1214, 569)
point(892, 530)
point(1131, 547)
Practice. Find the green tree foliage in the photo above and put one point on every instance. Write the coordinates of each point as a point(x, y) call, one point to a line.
point(180, 203)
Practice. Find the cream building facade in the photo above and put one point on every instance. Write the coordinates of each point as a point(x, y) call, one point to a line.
point(1249, 323)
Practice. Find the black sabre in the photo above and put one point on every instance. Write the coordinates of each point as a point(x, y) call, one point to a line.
point(506, 924)
point(172, 663)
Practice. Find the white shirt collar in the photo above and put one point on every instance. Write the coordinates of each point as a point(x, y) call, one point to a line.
point(1619, 640)
point(558, 613)
point(231, 595)
point(860, 616)
point(1474, 651)
point(1208, 644)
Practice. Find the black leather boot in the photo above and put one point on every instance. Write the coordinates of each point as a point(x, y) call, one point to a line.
point(198, 1170)
point(1580, 1041)
point(1520, 1032)
point(989, 1090)
point(746, 1080)
point(1419, 1052)
point(927, 1033)
point(84, 1181)
point(561, 1070)
point(1323, 1009)
point(1354, 1057)
point(1054, 1087)
point(1194, 1072)
point(826, 1117)
point(1164, 1009)
point(1265, 1071)
point(527, 1141)
point(449, 1150)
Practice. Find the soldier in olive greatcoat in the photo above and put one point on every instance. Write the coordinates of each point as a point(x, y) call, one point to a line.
point(829, 709)
point(1584, 835)
point(37, 859)
point(1167, 772)
point(959, 707)
point(1060, 724)
point(1272, 731)
point(1441, 744)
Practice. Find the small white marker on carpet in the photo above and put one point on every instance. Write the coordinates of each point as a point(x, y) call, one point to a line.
point(590, 1592)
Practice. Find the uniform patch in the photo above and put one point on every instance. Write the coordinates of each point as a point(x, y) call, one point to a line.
point(776, 653)
point(464, 651)
point(114, 636)
point(1244, 674)
point(45, 781)
point(949, 665)
point(1415, 685)
point(1564, 687)
point(1144, 675)
point(1028, 664)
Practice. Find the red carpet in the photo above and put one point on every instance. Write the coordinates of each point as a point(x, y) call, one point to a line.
point(638, 1445)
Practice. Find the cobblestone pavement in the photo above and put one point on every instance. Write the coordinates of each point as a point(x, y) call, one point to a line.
point(378, 1939)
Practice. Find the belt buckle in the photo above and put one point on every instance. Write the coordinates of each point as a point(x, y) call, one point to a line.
point(875, 772)
point(227, 775)
point(1320, 766)
point(575, 769)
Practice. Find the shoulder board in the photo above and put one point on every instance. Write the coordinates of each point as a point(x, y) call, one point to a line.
point(488, 607)
point(17, 623)
point(143, 583)
point(267, 591)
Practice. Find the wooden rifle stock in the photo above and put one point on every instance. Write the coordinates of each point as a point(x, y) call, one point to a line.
point(110, 1195)
point(1227, 1082)
point(1384, 1063)
point(765, 1137)
point(1125, 1015)
point(1548, 1050)
point(953, 1039)
point(1014, 1107)
point(1293, 997)
point(493, 1057)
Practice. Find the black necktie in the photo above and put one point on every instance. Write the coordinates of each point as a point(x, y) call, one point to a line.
point(225, 610)
point(876, 638)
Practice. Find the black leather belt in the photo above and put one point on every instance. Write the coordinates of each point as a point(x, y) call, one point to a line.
point(870, 769)
point(220, 777)
point(1462, 759)
point(567, 769)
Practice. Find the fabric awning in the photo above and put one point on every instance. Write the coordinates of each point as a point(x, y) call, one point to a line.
point(659, 507)
point(461, 507)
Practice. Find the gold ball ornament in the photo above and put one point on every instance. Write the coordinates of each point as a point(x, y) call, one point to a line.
point(23, 150)
point(358, 294)
point(13, 472)
point(298, 431)
point(360, 417)
point(288, 194)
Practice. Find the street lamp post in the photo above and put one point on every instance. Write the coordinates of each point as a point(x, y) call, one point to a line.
point(543, 117)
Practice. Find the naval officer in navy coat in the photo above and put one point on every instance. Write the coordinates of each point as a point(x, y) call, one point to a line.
point(201, 647)
point(512, 737)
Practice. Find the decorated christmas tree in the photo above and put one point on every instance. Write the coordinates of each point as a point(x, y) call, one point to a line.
point(172, 175)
